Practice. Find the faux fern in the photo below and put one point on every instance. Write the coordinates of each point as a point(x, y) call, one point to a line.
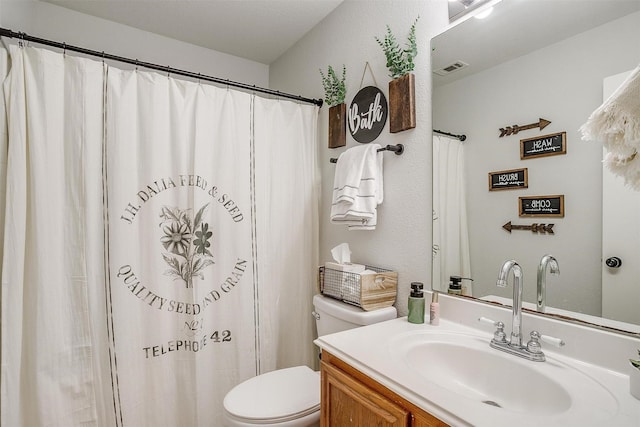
point(334, 87)
point(635, 363)
point(399, 60)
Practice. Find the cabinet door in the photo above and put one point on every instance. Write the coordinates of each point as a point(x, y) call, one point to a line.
point(423, 419)
point(347, 402)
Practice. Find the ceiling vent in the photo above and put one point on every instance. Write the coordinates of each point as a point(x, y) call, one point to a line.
point(454, 66)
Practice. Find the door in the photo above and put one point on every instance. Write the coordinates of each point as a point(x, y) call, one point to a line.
point(620, 238)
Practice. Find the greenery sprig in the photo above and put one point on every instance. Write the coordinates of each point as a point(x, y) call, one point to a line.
point(635, 363)
point(399, 60)
point(334, 87)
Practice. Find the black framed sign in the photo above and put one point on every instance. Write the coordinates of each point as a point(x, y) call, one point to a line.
point(549, 206)
point(542, 146)
point(508, 180)
point(367, 114)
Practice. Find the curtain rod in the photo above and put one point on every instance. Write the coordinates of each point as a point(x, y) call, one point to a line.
point(460, 137)
point(26, 37)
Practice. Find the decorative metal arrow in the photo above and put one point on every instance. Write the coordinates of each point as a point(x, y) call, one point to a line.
point(512, 130)
point(536, 228)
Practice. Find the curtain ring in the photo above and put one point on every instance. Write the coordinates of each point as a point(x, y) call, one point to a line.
point(103, 56)
point(64, 49)
point(136, 64)
point(168, 71)
point(198, 78)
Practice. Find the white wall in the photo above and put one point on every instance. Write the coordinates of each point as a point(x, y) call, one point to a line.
point(56, 23)
point(402, 239)
point(514, 92)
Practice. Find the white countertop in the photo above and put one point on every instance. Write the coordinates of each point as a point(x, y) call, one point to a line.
point(370, 349)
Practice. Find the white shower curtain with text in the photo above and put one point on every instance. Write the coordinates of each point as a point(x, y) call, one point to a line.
point(160, 244)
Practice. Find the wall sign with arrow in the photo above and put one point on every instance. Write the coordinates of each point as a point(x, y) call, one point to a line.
point(535, 228)
point(512, 130)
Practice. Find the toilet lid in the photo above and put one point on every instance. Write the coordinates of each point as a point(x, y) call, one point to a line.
point(278, 395)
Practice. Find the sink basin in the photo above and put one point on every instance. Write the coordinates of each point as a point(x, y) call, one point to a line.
point(465, 366)
point(483, 375)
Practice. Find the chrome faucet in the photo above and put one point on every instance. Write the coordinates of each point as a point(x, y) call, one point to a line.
point(516, 317)
point(532, 350)
point(542, 283)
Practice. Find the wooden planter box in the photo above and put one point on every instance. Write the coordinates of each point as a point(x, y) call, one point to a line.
point(402, 103)
point(338, 126)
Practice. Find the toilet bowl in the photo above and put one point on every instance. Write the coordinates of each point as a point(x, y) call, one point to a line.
point(286, 397)
point(291, 397)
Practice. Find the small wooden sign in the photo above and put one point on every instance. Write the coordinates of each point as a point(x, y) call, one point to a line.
point(541, 146)
point(549, 206)
point(508, 180)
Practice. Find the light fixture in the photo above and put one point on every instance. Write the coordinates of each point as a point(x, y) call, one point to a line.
point(466, 8)
point(483, 14)
point(465, 3)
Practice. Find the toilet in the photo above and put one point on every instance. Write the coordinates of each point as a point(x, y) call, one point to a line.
point(291, 397)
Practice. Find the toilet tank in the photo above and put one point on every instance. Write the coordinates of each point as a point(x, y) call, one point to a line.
point(335, 316)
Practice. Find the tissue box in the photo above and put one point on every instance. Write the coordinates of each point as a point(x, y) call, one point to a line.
point(369, 291)
point(350, 268)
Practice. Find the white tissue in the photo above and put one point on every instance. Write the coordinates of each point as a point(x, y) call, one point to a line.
point(341, 254)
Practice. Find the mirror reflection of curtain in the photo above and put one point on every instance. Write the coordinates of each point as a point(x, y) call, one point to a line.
point(450, 232)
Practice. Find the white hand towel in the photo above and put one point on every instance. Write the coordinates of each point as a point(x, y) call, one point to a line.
point(616, 123)
point(358, 187)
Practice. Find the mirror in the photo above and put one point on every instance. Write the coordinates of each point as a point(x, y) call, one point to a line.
point(532, 60)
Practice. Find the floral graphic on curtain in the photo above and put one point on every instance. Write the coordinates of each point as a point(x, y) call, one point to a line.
point(186, 256)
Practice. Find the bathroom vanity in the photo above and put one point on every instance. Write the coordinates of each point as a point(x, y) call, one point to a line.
point(396, 373)
point(350, 397)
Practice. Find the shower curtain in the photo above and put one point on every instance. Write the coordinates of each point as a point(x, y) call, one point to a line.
point(160, 243)
point(450, 233)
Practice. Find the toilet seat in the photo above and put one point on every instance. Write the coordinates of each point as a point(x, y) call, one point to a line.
point(275, 397)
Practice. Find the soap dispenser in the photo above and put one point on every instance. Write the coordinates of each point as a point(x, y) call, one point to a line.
point(455, 286)
point(416, 303)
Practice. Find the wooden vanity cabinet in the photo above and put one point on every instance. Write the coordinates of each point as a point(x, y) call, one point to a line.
point(350, 398)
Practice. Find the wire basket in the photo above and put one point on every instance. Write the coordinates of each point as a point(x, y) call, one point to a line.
point(367, 291)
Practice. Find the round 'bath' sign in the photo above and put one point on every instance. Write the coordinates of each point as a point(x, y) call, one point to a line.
point(367, 114)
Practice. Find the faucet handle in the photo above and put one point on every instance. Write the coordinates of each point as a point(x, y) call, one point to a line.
point(498, 335)
point(558, 342)
point(534, 343)
point(488, 321)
